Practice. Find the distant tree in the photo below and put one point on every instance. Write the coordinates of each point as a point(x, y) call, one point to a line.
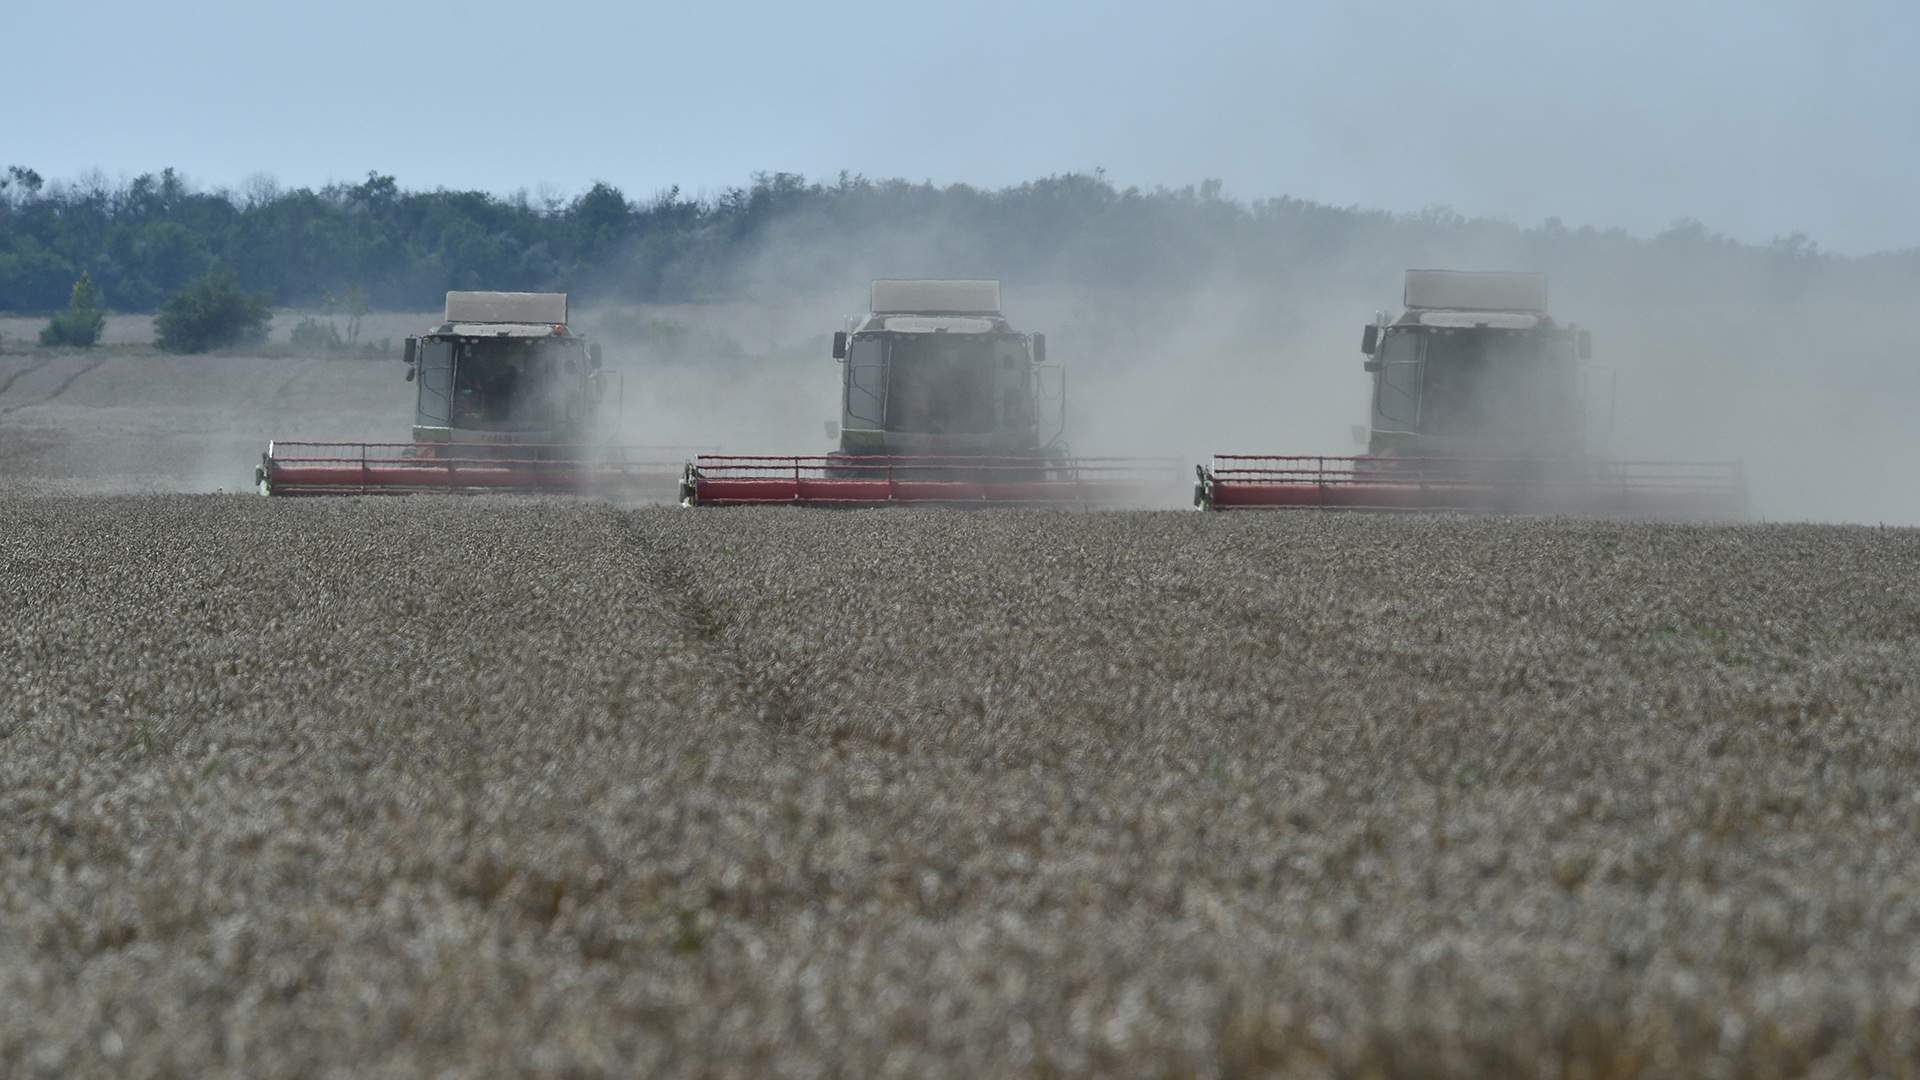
point(148, 237)
point(212, 312)
point(167, 254)
point(261, 190)
point(20, 182)
point(356, 304)
point(79, 326)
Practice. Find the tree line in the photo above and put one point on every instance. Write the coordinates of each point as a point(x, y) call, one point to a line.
point(144, 240)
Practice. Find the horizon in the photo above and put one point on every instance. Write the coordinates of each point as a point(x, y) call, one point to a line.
point(555, 198)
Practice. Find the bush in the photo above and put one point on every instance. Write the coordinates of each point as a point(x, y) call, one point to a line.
point(315, 335)
point(81, 323)
point(212, 312)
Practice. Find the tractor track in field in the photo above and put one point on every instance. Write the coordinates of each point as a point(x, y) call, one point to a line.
point(17, 452)
point(772, 701)
point(65, 385)
point(6, 384)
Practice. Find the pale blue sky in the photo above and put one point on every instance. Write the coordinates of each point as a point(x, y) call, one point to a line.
point(1759, 118)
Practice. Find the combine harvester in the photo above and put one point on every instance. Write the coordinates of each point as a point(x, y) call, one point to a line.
point(507, 398)
point(1479, 405)
point(942, 402)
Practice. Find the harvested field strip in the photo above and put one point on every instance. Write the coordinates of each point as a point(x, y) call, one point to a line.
point(65, 385)
point(6, 384)
point(544, 787)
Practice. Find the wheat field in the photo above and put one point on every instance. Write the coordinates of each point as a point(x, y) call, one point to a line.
point(504, 786)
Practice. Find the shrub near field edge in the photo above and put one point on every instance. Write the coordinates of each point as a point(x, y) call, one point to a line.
point(212, 312)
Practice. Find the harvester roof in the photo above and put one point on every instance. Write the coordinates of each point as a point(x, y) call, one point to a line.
point(1476, 290)
point(502, 330)
point(505, 315)
point(933, 324)
point(546, 309)
point(931, 297)
point(1466, 320)
point(935, 307)
point(1470, 299)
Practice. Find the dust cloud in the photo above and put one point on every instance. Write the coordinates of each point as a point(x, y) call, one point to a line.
point(1784, 359)
point(1795, 363)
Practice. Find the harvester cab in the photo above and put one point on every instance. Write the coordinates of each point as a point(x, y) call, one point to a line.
point(1479, 403)
point(507, 397)
point(941, 401)
point(935, 368)
point(1476, 366)
point(506, 369)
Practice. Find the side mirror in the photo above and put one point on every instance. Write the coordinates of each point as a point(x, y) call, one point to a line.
point(1039, 348)
point(839, 344)
point(413, 353)
point(1373, 366)
point(1370, 339)
point(833, 429)
point(594, 358)
point(1585, 344)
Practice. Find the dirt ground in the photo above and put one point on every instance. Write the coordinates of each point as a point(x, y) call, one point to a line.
point(129, 419)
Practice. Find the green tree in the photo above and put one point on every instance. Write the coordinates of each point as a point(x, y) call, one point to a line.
point(154, 234)
point(169, 254)
point(81, 323)
point(212, 312)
